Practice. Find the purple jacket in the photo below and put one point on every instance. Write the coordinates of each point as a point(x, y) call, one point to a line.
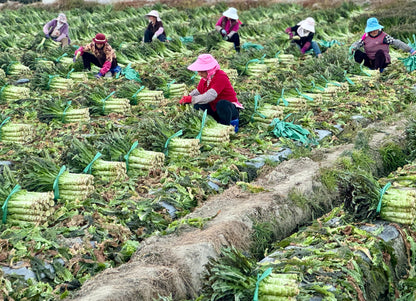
point(50, 26)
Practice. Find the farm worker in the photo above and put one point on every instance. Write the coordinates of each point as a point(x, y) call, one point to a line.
point(302, 34)
point(57, 30)
point(100, 53)
point(214, 92)
point(228, 26)
point(376, 46)
point(155, 28)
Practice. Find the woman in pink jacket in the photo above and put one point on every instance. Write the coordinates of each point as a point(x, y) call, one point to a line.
point(228, 26)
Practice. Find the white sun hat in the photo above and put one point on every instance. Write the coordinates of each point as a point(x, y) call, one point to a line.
point(231, 13)
point(308, 24)
point(154, 13)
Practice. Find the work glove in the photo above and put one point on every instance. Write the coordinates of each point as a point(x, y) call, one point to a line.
point(288, 30)
point(185, 99)
point(98, 75)
point(223, 32)
point(226, 38)
point(154, 37)
point(412, 51)
point(47, 36)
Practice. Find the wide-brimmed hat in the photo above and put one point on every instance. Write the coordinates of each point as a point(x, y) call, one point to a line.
point(372, 24)
point(153, 13)
point(204, 62)
point(308, 24)
point(62, 18)
point(231, 13)
point(99, 39)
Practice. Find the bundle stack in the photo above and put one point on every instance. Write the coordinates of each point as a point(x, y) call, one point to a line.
point(295, 104)
point(399, 206)
point(78, 76)
point(151, 97)
point(29, 207)
point(73, 186)
point(45, 64)
point(147, 161)
point(11, 93)
point(66, 61)
point(60, 83)
point(17, 133)
point(286, 59)
point(117, 105)
point(270, 112)
point(231, 73)
point(77, 115)
point(370, 78)
point(177, 90)
point(279, 287)
point(256, 70)
point(217, 134)
point(330, 93)
point(272, 62)
point(109, 170)
point(17, 69)
point(183, 147)
point(313, 99)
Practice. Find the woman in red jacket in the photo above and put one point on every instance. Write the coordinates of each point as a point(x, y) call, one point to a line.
point(214, 92)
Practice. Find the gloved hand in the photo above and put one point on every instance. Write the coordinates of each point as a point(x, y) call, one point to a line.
point(412, 51)
point(288, 30)
point(154, 37)
point(98, 75)
point(47, 36)
point(226, 38)
point(185, 99)
point(305, 47)
point(223, 32)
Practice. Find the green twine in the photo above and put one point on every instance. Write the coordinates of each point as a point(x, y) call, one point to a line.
point(137, 92)
point(187, 39)
point(107, 97)
point(69, 73)
point(127, 156)
point(59, 58)
point(4, 207)
point(10, 64)
point(262, 58)
point(328, 82)
point(130, 73)
point(56, 183)
point(68, 104)
point(382, 191)
point(303, 95)
point(248, 45)
point(249, 62)
point(289, 130)
point(285, 102)
point(177, 134)
point(259, 279)
point(348, 79)
point(329, 44)
point(363, 71)
point(168, 88)
point(277, 54)
point(256, 104)
point(2, 88)
point(88, 168)
point(204, 117)
point(194, 76)
point(3, 123)
point(51, 77)
point(409, 63)
point(314, 86)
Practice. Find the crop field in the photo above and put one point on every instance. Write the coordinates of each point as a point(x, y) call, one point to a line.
point(89, 168)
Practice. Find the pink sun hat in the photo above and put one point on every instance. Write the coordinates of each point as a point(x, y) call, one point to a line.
point(204, 62)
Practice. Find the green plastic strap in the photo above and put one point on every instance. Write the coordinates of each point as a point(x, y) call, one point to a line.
point(59, 58)
point(107, 97)
point(4, 207)
point(277, 54)
point(248, 45)
point(50, 80)
point(249, 62)
point(409, 63)
point(177, 134)
point(56, 183)
point(328, 82)
point(303, 95)
point(363, 71)
point(168, 87)
point(2, 88)
point(204, 117)
point(194, 76)
point(121, 44)
point(329, 44)
point(282, 98)
point(262, 58)
point(187, 39)
point(88, 168)
point(127, 156)
point(68, 104)
point(137, 92)
point(3, 123)
point(259, 279)
point(382, 191)
point(316, 87)
point(348, 79)
point(256, 104)
point(69, 73)
point(11, 63)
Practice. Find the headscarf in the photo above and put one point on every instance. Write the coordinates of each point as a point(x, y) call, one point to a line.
point(211, 74)
point(61, 20)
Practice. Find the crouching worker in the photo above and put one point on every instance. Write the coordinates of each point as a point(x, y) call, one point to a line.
point(214, 92)
point(155, 28)
point(57, 30)
point(302, 34)
point(228, 26)
point(99, 53)
point(376, 46)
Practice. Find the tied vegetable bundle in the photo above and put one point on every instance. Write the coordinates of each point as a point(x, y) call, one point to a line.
point(176, 90)
point(217, 134)
point(256, 70)
point(144, 160)
point(399, 206)
point(286, 59)
point(292, 104)
point(279, 287)
point(56, 109)
point(29, 207)
point(183, 147)
point(151, 97)
point(17, 133)
point(78, 76)
point(11, 93)
point(267, 113)
point(17, 68)
point(117, 105)
point(60, 83)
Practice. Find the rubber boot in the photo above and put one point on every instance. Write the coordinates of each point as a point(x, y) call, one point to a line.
point(235, 124)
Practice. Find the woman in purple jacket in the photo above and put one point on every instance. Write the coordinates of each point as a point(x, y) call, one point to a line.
point(228, 26)
point(57, 30)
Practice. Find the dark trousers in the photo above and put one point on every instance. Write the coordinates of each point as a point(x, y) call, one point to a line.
point(88, 59)
point(378, 63)
point(148, 36)
point(226, 111)
point(235, 38)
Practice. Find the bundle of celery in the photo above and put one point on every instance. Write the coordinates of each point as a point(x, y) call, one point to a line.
point(399, 205)
point(78, 76)
point(29, 207)
point(17, 68)
point(267, 113)
point(75, 186)
point(66, 61)
point(216, 134)
point(150, 97)
point(256, 70)
point(294, 104)
point(286, 59)
point(183, 147)
point(277, 287)
point(60, 83)
point(45, 64)
point(109, 170)
point(56, 109)
point(272, 62)
point(117, 105)
point(76, 115)
point(144, 160)
point(402, 177)
point(11, 93)
point(232, 74)
point(17, 133)
point(176, 90)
